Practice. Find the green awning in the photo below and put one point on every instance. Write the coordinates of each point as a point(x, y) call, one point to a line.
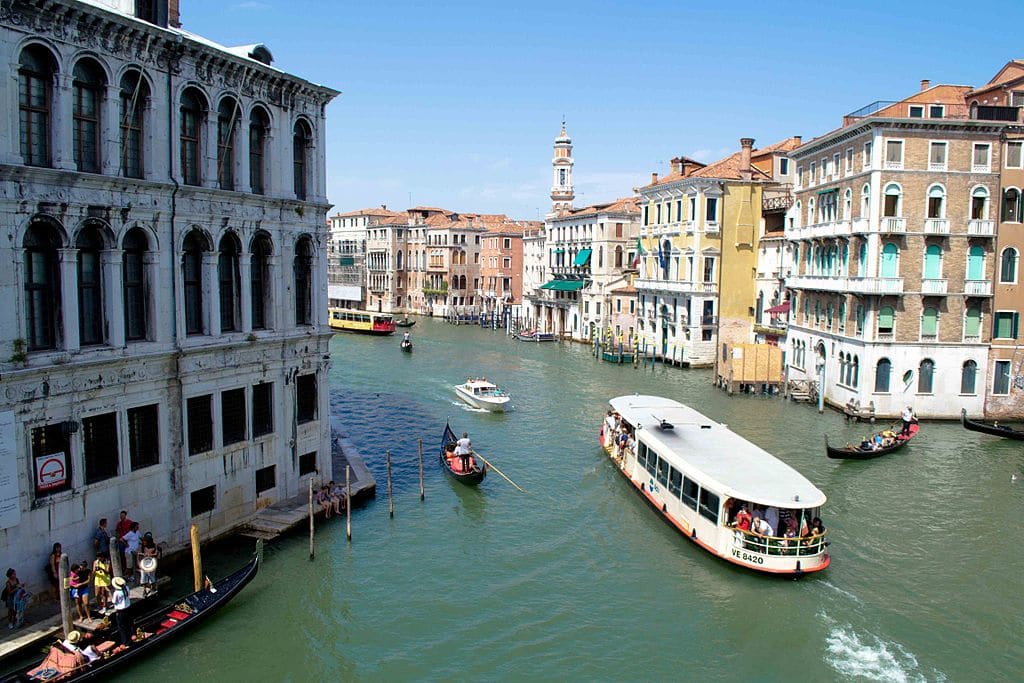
point(346, 261)
point(559, 251)
point(564, 285)
point(582, 257)
point(829, 191)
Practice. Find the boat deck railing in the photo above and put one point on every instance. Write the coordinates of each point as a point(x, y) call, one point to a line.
point(780, 545)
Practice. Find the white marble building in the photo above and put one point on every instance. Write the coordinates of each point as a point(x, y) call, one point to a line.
point(163, 340)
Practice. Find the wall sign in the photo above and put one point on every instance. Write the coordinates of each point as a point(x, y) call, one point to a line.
point(51, 471)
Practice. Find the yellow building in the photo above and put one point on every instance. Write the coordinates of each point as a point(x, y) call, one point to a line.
point(700, 228)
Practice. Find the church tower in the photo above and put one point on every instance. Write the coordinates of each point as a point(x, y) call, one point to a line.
point(561, 166)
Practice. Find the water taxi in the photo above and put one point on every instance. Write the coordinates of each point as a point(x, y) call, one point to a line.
point(364, 322)
point(710, 483)
point(482, 394)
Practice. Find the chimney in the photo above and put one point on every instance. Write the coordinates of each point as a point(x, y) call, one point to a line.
point(654, 178)
point(746, 145)
point(925, 84)
point(799, 139)
point(677, 165)
point(384, 206)
point(173, 14)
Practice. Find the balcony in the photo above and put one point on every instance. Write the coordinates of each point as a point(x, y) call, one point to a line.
point(981, 168)
point(828, 229)
point(933, 286)
point(980, 227)
point(890, 225)
point(677, 286)
point(711, 227)
point(860, 226)
point(936, 226)
point(978, 288)
point(854, 285)
point(691, 227)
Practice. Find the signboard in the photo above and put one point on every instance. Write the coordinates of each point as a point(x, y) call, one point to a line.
point(51, 471)
point(10, 510)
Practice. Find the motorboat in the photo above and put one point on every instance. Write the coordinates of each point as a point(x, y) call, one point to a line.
point(480, 393)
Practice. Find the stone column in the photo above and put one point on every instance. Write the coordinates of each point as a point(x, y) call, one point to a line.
point(62, 152)
point(211, 293)
point(245, 287)
point(208, 153)
point(110, 131)
point(242, 155)
point(275, 292)
point(69, 298)
point(113, 296)
point(156, 296)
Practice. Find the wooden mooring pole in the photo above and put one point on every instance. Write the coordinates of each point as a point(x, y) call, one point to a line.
point(115, 558)
point(197, 558)
point(422, 492)
point(63, 571)
point(391, 501)
point(348, 502)
point(311, 553)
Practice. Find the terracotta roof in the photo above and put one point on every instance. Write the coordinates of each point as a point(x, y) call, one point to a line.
point(369, 212)
point(1012, 71)
point(729, 167)
point(621, 205)
point(936, 94)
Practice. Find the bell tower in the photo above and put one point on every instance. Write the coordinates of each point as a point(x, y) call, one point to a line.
point(561, 166)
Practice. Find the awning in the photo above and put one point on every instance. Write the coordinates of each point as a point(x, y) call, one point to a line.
point(828, 191)
point(559, 251)
point(564, 285)
point(781, 308)
point(582, 257)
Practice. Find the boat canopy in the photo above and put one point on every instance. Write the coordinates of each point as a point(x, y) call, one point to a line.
point(715, 455)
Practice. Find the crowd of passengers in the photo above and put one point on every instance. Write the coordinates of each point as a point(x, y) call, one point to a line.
point(618, 436)
point(773, 530)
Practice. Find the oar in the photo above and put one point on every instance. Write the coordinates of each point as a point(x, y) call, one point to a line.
point(500, 473)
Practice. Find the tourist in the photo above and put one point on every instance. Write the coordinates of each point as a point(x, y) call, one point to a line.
point(101, 538)
point(743, 519)
point(405, 337)
point(80, 579)
point(122, 616)
point(466, 447)
point(131, 540)
point(337, 496)
point(123, 526)
point(323, 499)
point(71, 645)
point(771, 515)
point(147, 564)
point(609, 428)
point(53, 570)
point(101, 580)
point(761, 527)
point(15, 598)
point(907, 417)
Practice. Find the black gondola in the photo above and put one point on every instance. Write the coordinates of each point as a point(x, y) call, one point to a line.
point(859, 453)
point(407, 346)
point(994, 429)
point(404, 322)
point(471, 478)
point(158, 627)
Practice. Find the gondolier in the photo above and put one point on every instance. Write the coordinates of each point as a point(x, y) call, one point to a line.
point(122, 605)
point(463, 449)
point(908, 418)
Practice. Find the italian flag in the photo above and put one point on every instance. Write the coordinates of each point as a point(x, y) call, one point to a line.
point(639, 253)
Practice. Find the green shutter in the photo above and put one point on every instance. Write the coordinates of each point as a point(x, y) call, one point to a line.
point(1005, 326)
point(972, 326)
point(929, 322)
point(885, 318)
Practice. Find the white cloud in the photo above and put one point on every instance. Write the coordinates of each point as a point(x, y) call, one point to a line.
point(249, 5)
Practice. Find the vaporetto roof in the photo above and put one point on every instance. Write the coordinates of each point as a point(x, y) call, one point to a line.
point(713, 455)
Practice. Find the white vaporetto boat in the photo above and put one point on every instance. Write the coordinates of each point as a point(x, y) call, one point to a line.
point(480, 393)
point(711, 484)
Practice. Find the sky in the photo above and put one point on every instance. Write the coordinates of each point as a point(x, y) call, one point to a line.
point(457, 104)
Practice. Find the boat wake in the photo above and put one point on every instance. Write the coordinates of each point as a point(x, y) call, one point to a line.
point(869, 657)
point(468, 408)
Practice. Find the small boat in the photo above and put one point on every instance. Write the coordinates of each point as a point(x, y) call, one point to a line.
point(534, 336)
point(157, 628)
point(404, 322)
point(861, 452)
point(362, 322)
point(995, 429)
point(452, 464)
point(407, 346)
point(480, 393)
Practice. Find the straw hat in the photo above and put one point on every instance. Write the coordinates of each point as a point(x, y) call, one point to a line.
point(118, 583)
point(148, 564)
point(74, 637)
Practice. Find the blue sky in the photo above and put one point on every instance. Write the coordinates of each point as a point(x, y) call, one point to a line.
point(456, 103)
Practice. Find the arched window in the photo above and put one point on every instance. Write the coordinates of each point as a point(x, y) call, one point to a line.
point(88, 85)
point(192, 115)
point(42, 286)
point(979, 203)
point(398, 260)
point(886, 318)
point(855, 381)
point(301, 137)
point(933, 262)
point(976, 263)
point(229, 285)
point(304, 282)
point(882, 371)
point(227, 124)
point(862, 259)
point(192, 281)
point(925, 376)
point(847, 204)
point(865, 202)
point(618, 257)
point(1011, 205)
point(842, 367)
point(36, 69)
point(90, 286)
point(259, 124)
point(929, 322)
point(1008, 266)
point(892, 207)
point(259, 280)
point(133, 281)
point(134, 101)
point(968, 377)
point(936, 202)
point(890, 260)
point(810, 211)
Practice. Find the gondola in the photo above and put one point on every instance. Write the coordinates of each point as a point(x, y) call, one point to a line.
point(158, 627)
point(404, 322)
point(856, 453)
point(471, 478)
point(994, 429)
point(407, 346)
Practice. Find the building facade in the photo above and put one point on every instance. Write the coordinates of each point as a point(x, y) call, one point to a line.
point(164, 345)
point(346, 258)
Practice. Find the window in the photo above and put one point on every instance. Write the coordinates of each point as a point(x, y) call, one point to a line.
point(232, 408)
point(134, 99)
point(35, 87)
point(893, 204)
point(200, 424)
point(99, 447)
point(303, 271)
point(266, 478)
point(917, 111)
point(865, 202)
point(811, 173)
point(981, 157)
point(42, 286)
point(849, 161)
point(675, 482)
point(90, 287)
point(259, 124)
point(933, 262)
point(866, 156)
point(937, 156)
point(979, 203)
point(972, 322)
point(56, 475)
point(1013, 154)
point(709, 269)
point(204, 500)
point(968, 377)
point(259, 280)
point(835, 165)
point(929, 322)
point(882, 372)
point(192, 114)
point(783, 166)
point(1007, 325)
point(306, 398)
point(663, 468)
point(88, 86)
point(890, 260)
point(711, 210)
point(192, 281)
point(301, 137)
point(976, 263)
point(1011, 205)
point(1001, 377)
point(262, 409)
point(709, 505)
point(230, 287)
point(227, 124)
point(689, 493)
point(885, 320)
point(894, 154)
point(307, 463)
point(936, 111)
point(143, 436)
point(925, 376)
point(1008, 266)
point(133, 280)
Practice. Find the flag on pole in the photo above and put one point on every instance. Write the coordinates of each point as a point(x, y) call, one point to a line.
point(639, 253)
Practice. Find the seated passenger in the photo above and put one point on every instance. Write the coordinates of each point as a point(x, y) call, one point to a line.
point(743, 519)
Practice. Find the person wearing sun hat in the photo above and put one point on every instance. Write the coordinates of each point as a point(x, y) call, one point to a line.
point(122, 603)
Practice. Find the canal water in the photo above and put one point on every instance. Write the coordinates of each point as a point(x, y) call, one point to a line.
point(579, 579)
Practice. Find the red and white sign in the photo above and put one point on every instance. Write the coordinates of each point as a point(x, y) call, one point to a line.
point(51, 471)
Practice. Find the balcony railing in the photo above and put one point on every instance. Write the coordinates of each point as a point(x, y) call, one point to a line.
point(981, 168)
point(711, 226)
point(677, 286)
point(691, 226)
point(936, 226)
point(978, 288)
point(892, 224)
point(776, 203)
point(860, 226)
point(933, 286)
point(981, 227)
point(856, 285)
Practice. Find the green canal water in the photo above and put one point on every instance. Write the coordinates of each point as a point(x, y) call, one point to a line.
point(578, 579)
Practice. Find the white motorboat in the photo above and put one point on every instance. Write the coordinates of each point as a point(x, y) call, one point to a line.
point(480, 393)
